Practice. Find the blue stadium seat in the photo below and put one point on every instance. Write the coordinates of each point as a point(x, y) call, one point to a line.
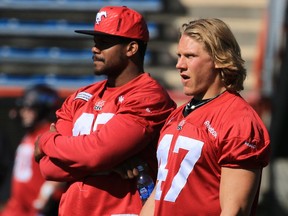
point(53, 80)
point(77, 5)
point(13, 26)
point(40, 55)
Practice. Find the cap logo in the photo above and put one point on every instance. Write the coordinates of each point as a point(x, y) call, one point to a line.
point(100, 15)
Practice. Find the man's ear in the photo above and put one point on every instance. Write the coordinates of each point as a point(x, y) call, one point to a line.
point(132, 48)
point(217, 65)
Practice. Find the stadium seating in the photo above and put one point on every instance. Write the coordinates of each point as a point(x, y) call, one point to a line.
point(62, 28)
point(37, 37)
point(87, 5)
point(56, 55)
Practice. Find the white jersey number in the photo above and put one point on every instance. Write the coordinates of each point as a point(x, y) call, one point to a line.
point(193, 147)
point(23, 169)
point(83, 125)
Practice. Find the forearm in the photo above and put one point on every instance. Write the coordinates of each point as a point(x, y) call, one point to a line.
point(238, 188)
point(57, 171)
point(97, 151)
point(149, 206)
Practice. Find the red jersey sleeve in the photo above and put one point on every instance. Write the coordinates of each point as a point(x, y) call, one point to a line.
point(246, 144)
point(52, 169)
point(99, 149)
point(65, 114)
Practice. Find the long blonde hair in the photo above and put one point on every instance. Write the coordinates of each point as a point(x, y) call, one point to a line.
point(222, 46)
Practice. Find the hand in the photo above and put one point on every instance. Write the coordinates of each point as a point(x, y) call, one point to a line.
point(128, 169)
point(125, 172)
point(38, 153)
point(53, 127)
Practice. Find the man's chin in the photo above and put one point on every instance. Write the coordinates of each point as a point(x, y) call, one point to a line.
point(98, 73)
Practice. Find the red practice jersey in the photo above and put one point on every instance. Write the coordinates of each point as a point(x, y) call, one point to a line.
point(224, 132)
point(26, 179)
point(122, 122)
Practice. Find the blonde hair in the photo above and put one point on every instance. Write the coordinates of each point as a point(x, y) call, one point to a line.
point(222, 46)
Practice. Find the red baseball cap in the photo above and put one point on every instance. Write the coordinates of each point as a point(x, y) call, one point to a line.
point(119, 21)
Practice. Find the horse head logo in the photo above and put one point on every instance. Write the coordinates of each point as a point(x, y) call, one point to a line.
point(100, 15)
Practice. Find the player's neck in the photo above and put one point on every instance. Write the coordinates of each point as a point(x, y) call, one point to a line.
point(194, 103)
point(123, 78)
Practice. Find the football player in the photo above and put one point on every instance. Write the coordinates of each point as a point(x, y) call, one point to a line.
point(103, 124)
point(211, 151)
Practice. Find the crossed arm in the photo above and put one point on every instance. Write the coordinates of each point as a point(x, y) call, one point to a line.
point(62, 159)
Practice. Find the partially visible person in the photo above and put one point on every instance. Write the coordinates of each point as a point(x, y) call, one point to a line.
point(30, 192)
point(103, 124)
point(211, 151)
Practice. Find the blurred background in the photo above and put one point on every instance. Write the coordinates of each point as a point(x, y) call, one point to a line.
point(38, 45)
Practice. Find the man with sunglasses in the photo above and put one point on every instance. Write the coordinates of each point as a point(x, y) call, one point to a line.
point(104, 124)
